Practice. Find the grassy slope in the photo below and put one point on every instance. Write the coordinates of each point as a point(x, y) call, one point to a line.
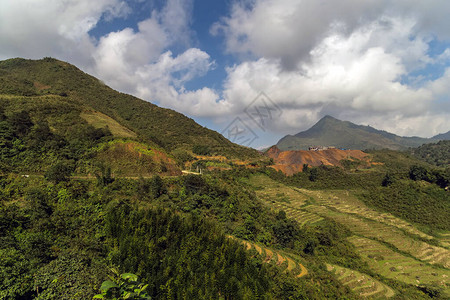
point(165, 127)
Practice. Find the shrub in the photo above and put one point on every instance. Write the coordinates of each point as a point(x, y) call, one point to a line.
point(201, 150)
point(59, 172)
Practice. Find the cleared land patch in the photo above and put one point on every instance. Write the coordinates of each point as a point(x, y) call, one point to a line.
point(99, 120)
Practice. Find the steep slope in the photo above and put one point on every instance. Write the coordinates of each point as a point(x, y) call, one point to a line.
point(330, 131)
point(165, 127)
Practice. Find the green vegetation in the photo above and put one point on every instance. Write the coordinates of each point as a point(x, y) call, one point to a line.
point(416, 202)
point(98, 104)
point(60, 240)
point(123, 286)
point(434, 153)
point(201, 150)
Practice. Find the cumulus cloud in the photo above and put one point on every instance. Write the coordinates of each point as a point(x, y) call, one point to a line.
point(133, 61)
point(351, 59)
point(290, 29)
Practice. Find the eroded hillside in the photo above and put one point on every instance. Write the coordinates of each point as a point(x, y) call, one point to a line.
point(291, 162)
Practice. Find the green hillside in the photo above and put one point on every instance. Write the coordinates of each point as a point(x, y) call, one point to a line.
point(67, 86)
point(330, 131)
point(434, 153)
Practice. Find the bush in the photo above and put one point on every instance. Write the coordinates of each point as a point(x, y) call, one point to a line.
point(201, 150)
point(124, 286)
point(59, 172)
point(387, 180)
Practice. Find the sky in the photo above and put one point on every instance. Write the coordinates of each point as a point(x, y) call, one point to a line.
point(254, 70)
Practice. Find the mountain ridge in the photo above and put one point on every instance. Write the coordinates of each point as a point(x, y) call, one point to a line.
point(329, 131)
point(165, 127)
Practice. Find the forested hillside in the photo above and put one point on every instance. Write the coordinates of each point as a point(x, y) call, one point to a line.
point(71, 87)
point(434, 153)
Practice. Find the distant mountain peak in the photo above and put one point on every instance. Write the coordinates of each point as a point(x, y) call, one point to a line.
point(329, 131)
point(328, 117)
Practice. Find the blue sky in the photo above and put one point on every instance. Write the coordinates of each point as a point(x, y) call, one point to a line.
point(379, 63)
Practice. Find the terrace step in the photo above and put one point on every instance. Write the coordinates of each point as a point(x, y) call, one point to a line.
point(277, 257)
point(361, 284)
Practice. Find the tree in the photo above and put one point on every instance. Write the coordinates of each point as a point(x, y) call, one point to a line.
point(59, 172)
point(418, 173)
point(104, 176)
point(305, 168)
point(156, 187)
point(387, 180)
point(201, 150)
point(21, 123)
point(313, 174)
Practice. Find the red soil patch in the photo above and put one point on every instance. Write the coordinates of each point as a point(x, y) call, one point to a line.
point(290, 162)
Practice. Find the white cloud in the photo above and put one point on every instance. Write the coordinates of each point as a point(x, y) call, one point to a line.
point(290, 29)
point(136, 62)
point(59, 28)
point(349, 59)
point(355, 76)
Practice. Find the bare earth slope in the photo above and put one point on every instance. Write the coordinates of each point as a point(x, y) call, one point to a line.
point(290, 162)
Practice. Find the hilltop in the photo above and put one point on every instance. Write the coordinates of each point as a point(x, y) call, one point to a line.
point(330, 131)
point(52, 112)
point(87, 96)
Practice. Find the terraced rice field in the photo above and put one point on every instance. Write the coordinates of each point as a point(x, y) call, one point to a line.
point(394, 265)
point(389, 234)
point(445, 239)
point(300, 215)
point(344, 201)
point(391, 246)
point(281, 197)
point(288, 263)
point(361, 284)
point(272, 191)
point(344, 208)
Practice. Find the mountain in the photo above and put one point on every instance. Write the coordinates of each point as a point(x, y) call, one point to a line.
point(65, 85)
point(52, 114)
point(442, 136)
point(330, 131)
